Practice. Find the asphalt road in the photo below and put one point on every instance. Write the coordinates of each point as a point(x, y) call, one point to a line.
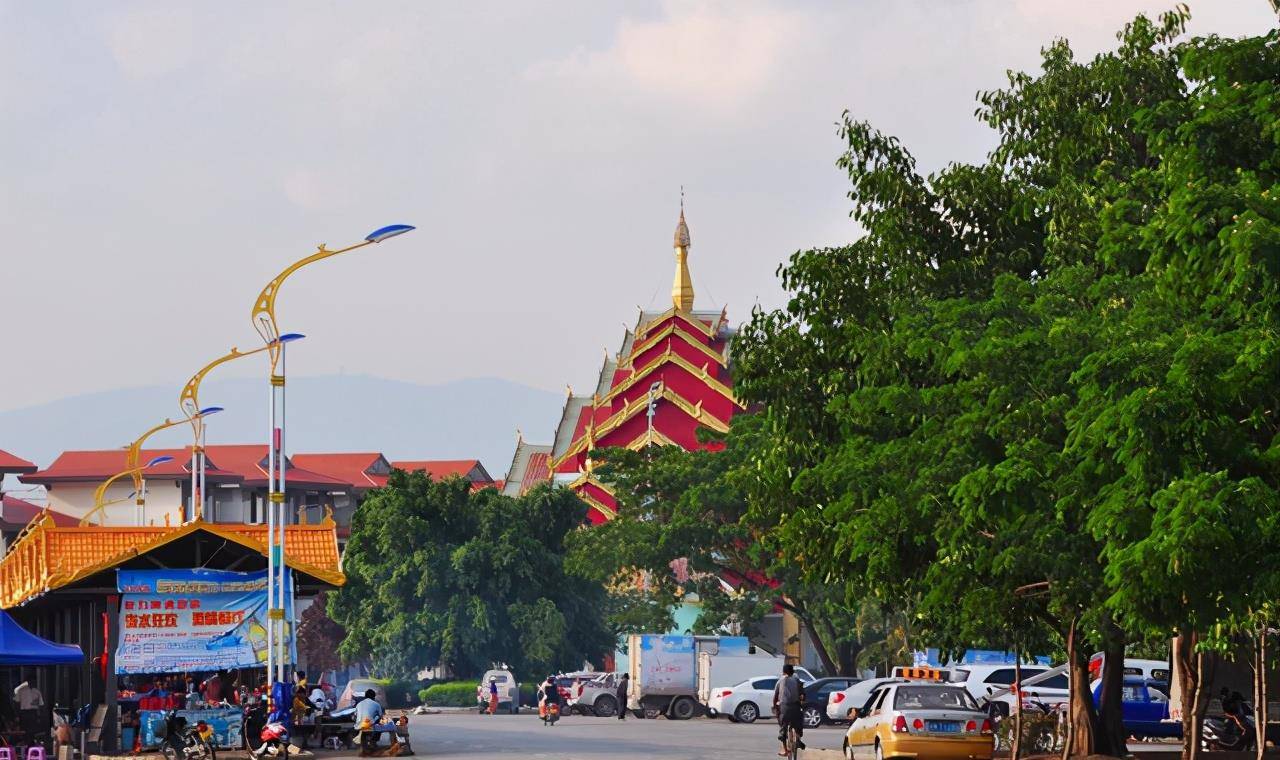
point(468, 735)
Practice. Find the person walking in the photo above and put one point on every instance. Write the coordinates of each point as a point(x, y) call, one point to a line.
point(493, 695)
point(624, 684)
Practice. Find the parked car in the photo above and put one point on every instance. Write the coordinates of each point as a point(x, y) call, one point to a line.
point(355, 690)
point(914, 719)
point(816, 696)
point(1145, 709)
point(599, 696)
point(1148, 670)
point(744, 702)
point(508, 691)
point(984, 680)
point(842, 703)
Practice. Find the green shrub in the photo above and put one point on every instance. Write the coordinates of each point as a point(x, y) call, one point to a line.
point(455, 694)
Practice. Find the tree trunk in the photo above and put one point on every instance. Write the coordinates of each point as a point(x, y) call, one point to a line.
point(1081, 717)
point(1015, 746)
point(1112, 737)
point(1189, 664)
point(1260, 691)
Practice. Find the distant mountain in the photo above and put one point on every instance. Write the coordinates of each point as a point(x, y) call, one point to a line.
point(475, 418)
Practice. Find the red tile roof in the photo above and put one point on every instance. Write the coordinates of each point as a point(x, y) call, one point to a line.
point(11, 463)
point(441, 468)
point(89, 466)
point(15, 511)
point(225, 463)
point(536, 472)
point(352, 468)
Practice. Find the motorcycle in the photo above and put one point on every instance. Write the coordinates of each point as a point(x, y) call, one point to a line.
point(275, 741)
point(179, 741)
point(1232, 732)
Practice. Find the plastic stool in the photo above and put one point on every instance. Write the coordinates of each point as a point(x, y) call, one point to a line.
point(36, 753)
point(6, 753)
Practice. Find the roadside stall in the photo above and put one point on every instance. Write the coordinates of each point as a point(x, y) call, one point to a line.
point(179, 622)
point(19, 648)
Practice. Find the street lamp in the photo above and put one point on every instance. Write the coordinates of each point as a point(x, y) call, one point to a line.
point(264, 321)
point(189, 403)
point(99, 505)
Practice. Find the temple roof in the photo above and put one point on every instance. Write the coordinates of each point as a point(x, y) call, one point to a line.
point(47, 557)
point(438, 469)
point(528, 467)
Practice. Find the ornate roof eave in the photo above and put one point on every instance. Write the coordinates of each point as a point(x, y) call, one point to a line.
point(642, 330)
point(633, 407)
point(27, 570)
point(588, 478)
point(681, 362)
point(678, 331)
point(604, 509)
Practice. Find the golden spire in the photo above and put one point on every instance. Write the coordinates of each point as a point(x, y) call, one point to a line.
point(682, 288)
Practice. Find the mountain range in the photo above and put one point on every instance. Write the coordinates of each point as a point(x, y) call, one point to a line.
point(475, 418)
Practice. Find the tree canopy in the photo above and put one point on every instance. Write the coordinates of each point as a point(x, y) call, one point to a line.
point(439, 574)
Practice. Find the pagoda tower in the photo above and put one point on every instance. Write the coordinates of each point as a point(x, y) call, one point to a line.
point(670, 377)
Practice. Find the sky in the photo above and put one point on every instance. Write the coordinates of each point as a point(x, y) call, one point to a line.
point(162, 161)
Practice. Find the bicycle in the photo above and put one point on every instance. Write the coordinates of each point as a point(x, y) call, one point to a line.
point(793, 743)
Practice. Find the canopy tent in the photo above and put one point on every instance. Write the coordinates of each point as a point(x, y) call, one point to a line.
point(18, 646)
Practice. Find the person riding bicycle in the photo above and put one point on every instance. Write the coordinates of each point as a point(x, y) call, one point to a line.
point(788, 704)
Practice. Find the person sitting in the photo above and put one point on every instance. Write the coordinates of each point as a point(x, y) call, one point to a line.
point(368, 711)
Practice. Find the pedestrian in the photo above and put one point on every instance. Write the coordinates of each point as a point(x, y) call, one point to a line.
point(493, 695)
point(623, 687)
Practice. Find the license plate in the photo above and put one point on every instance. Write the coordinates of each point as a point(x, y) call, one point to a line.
point(942, 726)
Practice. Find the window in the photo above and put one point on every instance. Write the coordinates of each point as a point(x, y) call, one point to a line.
point(1156, 695)
point(882, 694)
point(1056, 682)
point(1133, 694)
point(827, 688)
point(764, 684)
point(1160, 674)
point(933, 698)
point(1005, 676)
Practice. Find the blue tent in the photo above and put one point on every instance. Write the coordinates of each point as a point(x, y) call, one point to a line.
point(18, 646)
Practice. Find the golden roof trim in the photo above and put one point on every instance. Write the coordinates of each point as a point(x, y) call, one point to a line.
point(681, 362)
point(671, 329)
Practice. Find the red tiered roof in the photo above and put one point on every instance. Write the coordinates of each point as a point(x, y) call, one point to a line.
point(678, 359)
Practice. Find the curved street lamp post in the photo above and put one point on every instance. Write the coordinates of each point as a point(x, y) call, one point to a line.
point(264, 321)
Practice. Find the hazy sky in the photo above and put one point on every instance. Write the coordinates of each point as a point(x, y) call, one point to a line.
point(162, 161)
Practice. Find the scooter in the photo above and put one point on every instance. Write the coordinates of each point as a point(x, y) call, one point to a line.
point(1233, 732)
point(182, 742)
point(275, 741)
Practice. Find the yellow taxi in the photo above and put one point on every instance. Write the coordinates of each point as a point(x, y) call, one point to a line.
point(921, 719)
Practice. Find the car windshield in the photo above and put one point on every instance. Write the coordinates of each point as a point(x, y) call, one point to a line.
point(933, 698)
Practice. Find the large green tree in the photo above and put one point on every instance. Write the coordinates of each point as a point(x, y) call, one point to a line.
point(438, 573)
point(968, 406)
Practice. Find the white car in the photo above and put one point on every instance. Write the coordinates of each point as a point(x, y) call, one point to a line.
point(855, 696)
point(508, 691)
point(983, 680)
point(744, 702)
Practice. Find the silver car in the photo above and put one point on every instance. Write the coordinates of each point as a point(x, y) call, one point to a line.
point(599, 696)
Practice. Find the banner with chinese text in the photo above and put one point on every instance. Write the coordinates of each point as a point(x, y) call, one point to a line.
point(194, 621)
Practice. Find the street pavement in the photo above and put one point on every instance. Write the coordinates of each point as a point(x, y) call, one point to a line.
point(468, 735)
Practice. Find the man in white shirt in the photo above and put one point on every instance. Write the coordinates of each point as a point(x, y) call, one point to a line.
point(28, 697)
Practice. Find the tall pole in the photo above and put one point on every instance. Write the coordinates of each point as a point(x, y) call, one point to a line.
point(263, 317)
point(284, 519)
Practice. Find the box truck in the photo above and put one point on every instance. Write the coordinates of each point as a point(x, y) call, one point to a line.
point(672, 675)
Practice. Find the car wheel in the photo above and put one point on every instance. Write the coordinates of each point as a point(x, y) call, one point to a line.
point(747, 712)
point(605, 707)
point(812, 717)
point(681, 709)
point(879, 751)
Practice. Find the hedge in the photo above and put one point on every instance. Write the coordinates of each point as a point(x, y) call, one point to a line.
point(455, 694)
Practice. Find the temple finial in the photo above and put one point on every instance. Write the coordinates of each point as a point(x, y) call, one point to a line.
point(682, 288)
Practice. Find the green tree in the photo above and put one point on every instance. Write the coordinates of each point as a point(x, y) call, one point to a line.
point(437, 573)
point(682, 529)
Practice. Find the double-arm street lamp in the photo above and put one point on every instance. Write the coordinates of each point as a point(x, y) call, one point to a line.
point(264, 321)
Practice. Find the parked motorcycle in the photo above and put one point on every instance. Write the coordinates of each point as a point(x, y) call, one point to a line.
point(1231, 732)
point(180, 741)
point(275, 741)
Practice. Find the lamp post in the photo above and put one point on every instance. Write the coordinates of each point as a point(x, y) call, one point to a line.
point(189, 403)
point(99, 495)
point(264, 321)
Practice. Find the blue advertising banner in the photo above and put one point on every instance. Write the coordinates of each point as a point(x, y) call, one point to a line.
point(193, 621)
